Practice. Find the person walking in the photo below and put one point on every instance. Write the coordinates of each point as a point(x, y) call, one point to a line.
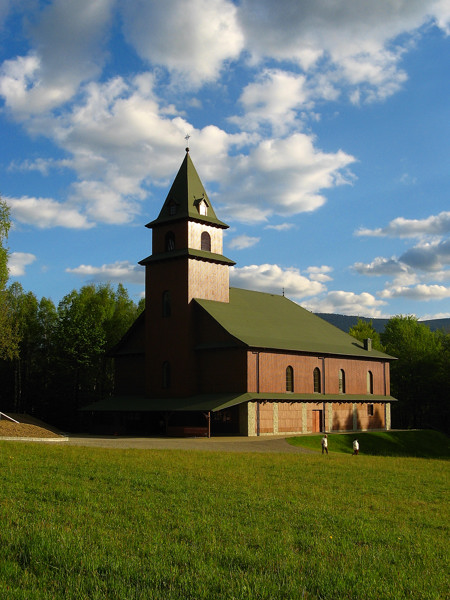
point(355, 447)
point(324, 443)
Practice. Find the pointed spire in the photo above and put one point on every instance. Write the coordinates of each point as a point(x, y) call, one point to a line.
point(187, 199)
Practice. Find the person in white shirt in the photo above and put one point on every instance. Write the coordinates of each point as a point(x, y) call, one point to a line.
point(355, 447)
point(324, 443)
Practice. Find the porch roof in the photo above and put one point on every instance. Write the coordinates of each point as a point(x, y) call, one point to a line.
point(216, 402)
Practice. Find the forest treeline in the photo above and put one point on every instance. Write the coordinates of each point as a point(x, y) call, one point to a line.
point(420, 375)
point(60, 358)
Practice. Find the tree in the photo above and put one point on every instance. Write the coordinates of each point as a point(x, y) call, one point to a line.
point(8, 334)
point(363, 330)
point(416, 374)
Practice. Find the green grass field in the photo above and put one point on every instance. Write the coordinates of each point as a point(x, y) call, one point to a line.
point(415, 443)
point(81, 523)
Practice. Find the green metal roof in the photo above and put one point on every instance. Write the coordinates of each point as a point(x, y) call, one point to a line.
point(189, 252)
point(182, 201)
point(216, 402)
point(261, 320)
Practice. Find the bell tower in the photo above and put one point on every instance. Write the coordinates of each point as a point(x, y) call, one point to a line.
point(186, 263)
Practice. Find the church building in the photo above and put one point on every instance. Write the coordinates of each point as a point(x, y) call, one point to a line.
point(207, 359)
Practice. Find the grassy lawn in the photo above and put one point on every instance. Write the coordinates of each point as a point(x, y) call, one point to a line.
point(417, 443)
point(82, 523)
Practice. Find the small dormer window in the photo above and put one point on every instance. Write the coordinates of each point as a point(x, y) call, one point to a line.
point(172, 208)
point(203, 208)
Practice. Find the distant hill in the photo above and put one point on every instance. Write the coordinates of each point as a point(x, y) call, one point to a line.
point(344, 322)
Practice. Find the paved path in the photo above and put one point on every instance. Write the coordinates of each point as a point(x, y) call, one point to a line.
point(217, 444)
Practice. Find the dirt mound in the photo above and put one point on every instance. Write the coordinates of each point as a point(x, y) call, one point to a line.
point(24, 430)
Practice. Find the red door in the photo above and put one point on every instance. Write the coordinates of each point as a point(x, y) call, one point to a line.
point(317, 421)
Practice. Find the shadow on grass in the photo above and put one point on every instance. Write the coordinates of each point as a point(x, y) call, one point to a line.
point(416, 443)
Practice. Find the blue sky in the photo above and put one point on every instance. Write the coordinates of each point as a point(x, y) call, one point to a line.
point(319, 129)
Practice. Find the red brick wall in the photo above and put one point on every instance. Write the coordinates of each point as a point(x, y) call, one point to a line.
point(266, 417)
point(342, 417)
point(272, 373)
point(290, 417)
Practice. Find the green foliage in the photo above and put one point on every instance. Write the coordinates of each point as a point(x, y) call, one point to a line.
point(363, 330)
point(86, 523)
point(8, 333)
point(5, 224)
point(416, 443)
point(418, 377)
point(61, 361)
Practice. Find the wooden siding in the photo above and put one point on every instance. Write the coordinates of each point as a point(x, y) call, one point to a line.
point(272, 373)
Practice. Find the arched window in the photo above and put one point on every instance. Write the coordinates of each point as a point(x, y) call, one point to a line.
point(341, 381)
point(369, 382)
point(166, 375)
point(170, 241)
point(317, 383)
point(206, 241)
point(166, 307)
point(289, 379)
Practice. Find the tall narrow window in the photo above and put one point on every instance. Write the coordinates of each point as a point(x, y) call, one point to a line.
point(206, 241)
point(370, 410)
point(166, 306)
point(289, 379)
point(170, 241)
point(341, 381)
point(166, 375)
point(317, 383)
point(369, 382)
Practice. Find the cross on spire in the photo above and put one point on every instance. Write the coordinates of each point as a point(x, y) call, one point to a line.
point(187, 136)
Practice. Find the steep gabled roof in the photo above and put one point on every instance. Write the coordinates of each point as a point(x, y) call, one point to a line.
point(185, 196)
point(260, 320)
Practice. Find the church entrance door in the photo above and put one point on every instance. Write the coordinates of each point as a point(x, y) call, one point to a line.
point(317, 421)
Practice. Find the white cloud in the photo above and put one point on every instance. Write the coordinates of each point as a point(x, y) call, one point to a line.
point(67, 36)
point(410, 228)
point(240, 242)
point(428, 256)
point(273, 99)
point(281, 226)
point(320, 273)
point(346, 303)
point(193, 40)
point(282, 176)
point(118, 272)
point(45, 213)
point(18, 261)
point(353, 39)
point(420, 292)
point(380, 266)
point(274, 279)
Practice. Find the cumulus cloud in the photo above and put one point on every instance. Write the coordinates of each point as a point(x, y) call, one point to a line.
point(240, 242)
point(320, 273)
point(118, 272)
point(353, 38)
point(428, 256)
point(45, 212)
point(380, 266)
point(420, 292)
point(66, 36)
point(193, 41)
point(18, 261)
point(347, 303)
point(282, 176)
point(410, 228)
point(273, 99)
point(274, 279)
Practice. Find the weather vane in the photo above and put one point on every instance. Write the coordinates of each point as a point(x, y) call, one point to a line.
point(187, 136)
